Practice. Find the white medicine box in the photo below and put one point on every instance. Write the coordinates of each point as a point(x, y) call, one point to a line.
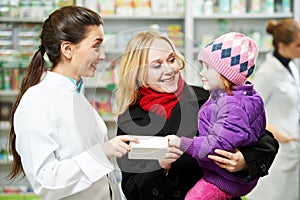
point(149, 148)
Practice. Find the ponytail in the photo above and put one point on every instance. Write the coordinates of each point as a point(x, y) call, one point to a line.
point(69, 23)
point(32, 76)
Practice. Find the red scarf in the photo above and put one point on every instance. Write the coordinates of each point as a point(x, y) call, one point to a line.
point(160, 103)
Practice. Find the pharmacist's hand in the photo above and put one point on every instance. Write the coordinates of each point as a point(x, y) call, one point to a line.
point(287, 139)
point(171, 156)
point(117, 146)
point(174, 141)
point(231, 161)
point(295, 139)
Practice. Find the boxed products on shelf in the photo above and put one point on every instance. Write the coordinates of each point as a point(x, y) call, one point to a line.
point(106, 74)
point(19, 197)
point(10, 78)
point(263, 40)
point(98, 89)
point(135, 7)
point(17, 192)
point(236, 7)
point(5, 113)
point(32, 9)
point(102, 102)
point(6, 36)
point(175, 33)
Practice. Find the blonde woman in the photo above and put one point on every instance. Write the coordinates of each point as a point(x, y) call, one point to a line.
point(153, 99)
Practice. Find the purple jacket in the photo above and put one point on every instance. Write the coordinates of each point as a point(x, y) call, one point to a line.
point(227, 122)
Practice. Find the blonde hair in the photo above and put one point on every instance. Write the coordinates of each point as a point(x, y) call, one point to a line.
point(134, 67)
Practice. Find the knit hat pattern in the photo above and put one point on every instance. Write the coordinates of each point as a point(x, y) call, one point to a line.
point(233, 55)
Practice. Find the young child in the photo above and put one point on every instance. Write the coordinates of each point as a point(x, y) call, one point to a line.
point(233, 116)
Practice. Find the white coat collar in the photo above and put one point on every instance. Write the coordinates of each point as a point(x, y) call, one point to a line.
point(278, 66)
point(58, 81)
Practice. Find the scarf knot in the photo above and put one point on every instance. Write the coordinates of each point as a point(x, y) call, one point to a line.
point(160, 103)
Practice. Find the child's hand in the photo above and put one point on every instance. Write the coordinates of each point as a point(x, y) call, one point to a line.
point(174, 141)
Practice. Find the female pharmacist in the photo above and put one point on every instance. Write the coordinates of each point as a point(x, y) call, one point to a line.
point(57, 139)
point(153, 99)
point(277, 80)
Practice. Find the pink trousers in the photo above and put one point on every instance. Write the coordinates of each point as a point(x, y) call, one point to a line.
point(204, 190)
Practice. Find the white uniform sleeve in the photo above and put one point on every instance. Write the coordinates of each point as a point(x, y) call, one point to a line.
point(261, 81)
point(37, 144)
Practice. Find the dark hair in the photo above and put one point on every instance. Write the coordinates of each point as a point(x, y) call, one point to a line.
point(68, 23)
point(283, 31)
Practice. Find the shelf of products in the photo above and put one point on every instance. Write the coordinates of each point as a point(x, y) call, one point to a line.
point(19, 197)
point(211, 18)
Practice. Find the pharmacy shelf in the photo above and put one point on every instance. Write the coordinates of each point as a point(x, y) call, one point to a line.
point(138, 17)
point(105, 17)
point(246, 16)
point(5, 162)
point(19, 20)
point(4, 128)
point(10, 93)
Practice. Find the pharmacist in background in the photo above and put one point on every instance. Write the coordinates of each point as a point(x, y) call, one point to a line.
point(277, 80)
point(57, 139)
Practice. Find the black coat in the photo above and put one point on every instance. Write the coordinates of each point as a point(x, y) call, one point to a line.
point(145, 180)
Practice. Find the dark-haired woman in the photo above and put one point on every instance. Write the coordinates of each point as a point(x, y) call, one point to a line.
point(57, 139)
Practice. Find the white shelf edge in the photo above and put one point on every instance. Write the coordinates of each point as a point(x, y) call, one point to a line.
point(4, 129)
point(245, 16)
point(9, 92)
point(166, 16)
point(21, 20)
point(5, 162)
point(94, 86)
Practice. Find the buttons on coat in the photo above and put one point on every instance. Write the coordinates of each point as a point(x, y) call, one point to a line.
point(176, 194)
point(155, 192)
point(263, 168)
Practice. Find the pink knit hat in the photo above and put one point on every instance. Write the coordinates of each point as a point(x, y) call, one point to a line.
point(233, 55)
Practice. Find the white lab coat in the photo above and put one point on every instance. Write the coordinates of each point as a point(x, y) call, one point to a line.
point(59, 136)
point(281, 94)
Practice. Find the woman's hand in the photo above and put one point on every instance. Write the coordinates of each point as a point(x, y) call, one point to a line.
point(171, 156)
point(117, 146)
point(232, 162)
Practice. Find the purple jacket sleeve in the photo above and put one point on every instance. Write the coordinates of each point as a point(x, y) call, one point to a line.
point(228, 129)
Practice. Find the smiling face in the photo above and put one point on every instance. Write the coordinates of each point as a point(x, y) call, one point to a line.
point(210, 78)
point(163, 70)
point(88, 52)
